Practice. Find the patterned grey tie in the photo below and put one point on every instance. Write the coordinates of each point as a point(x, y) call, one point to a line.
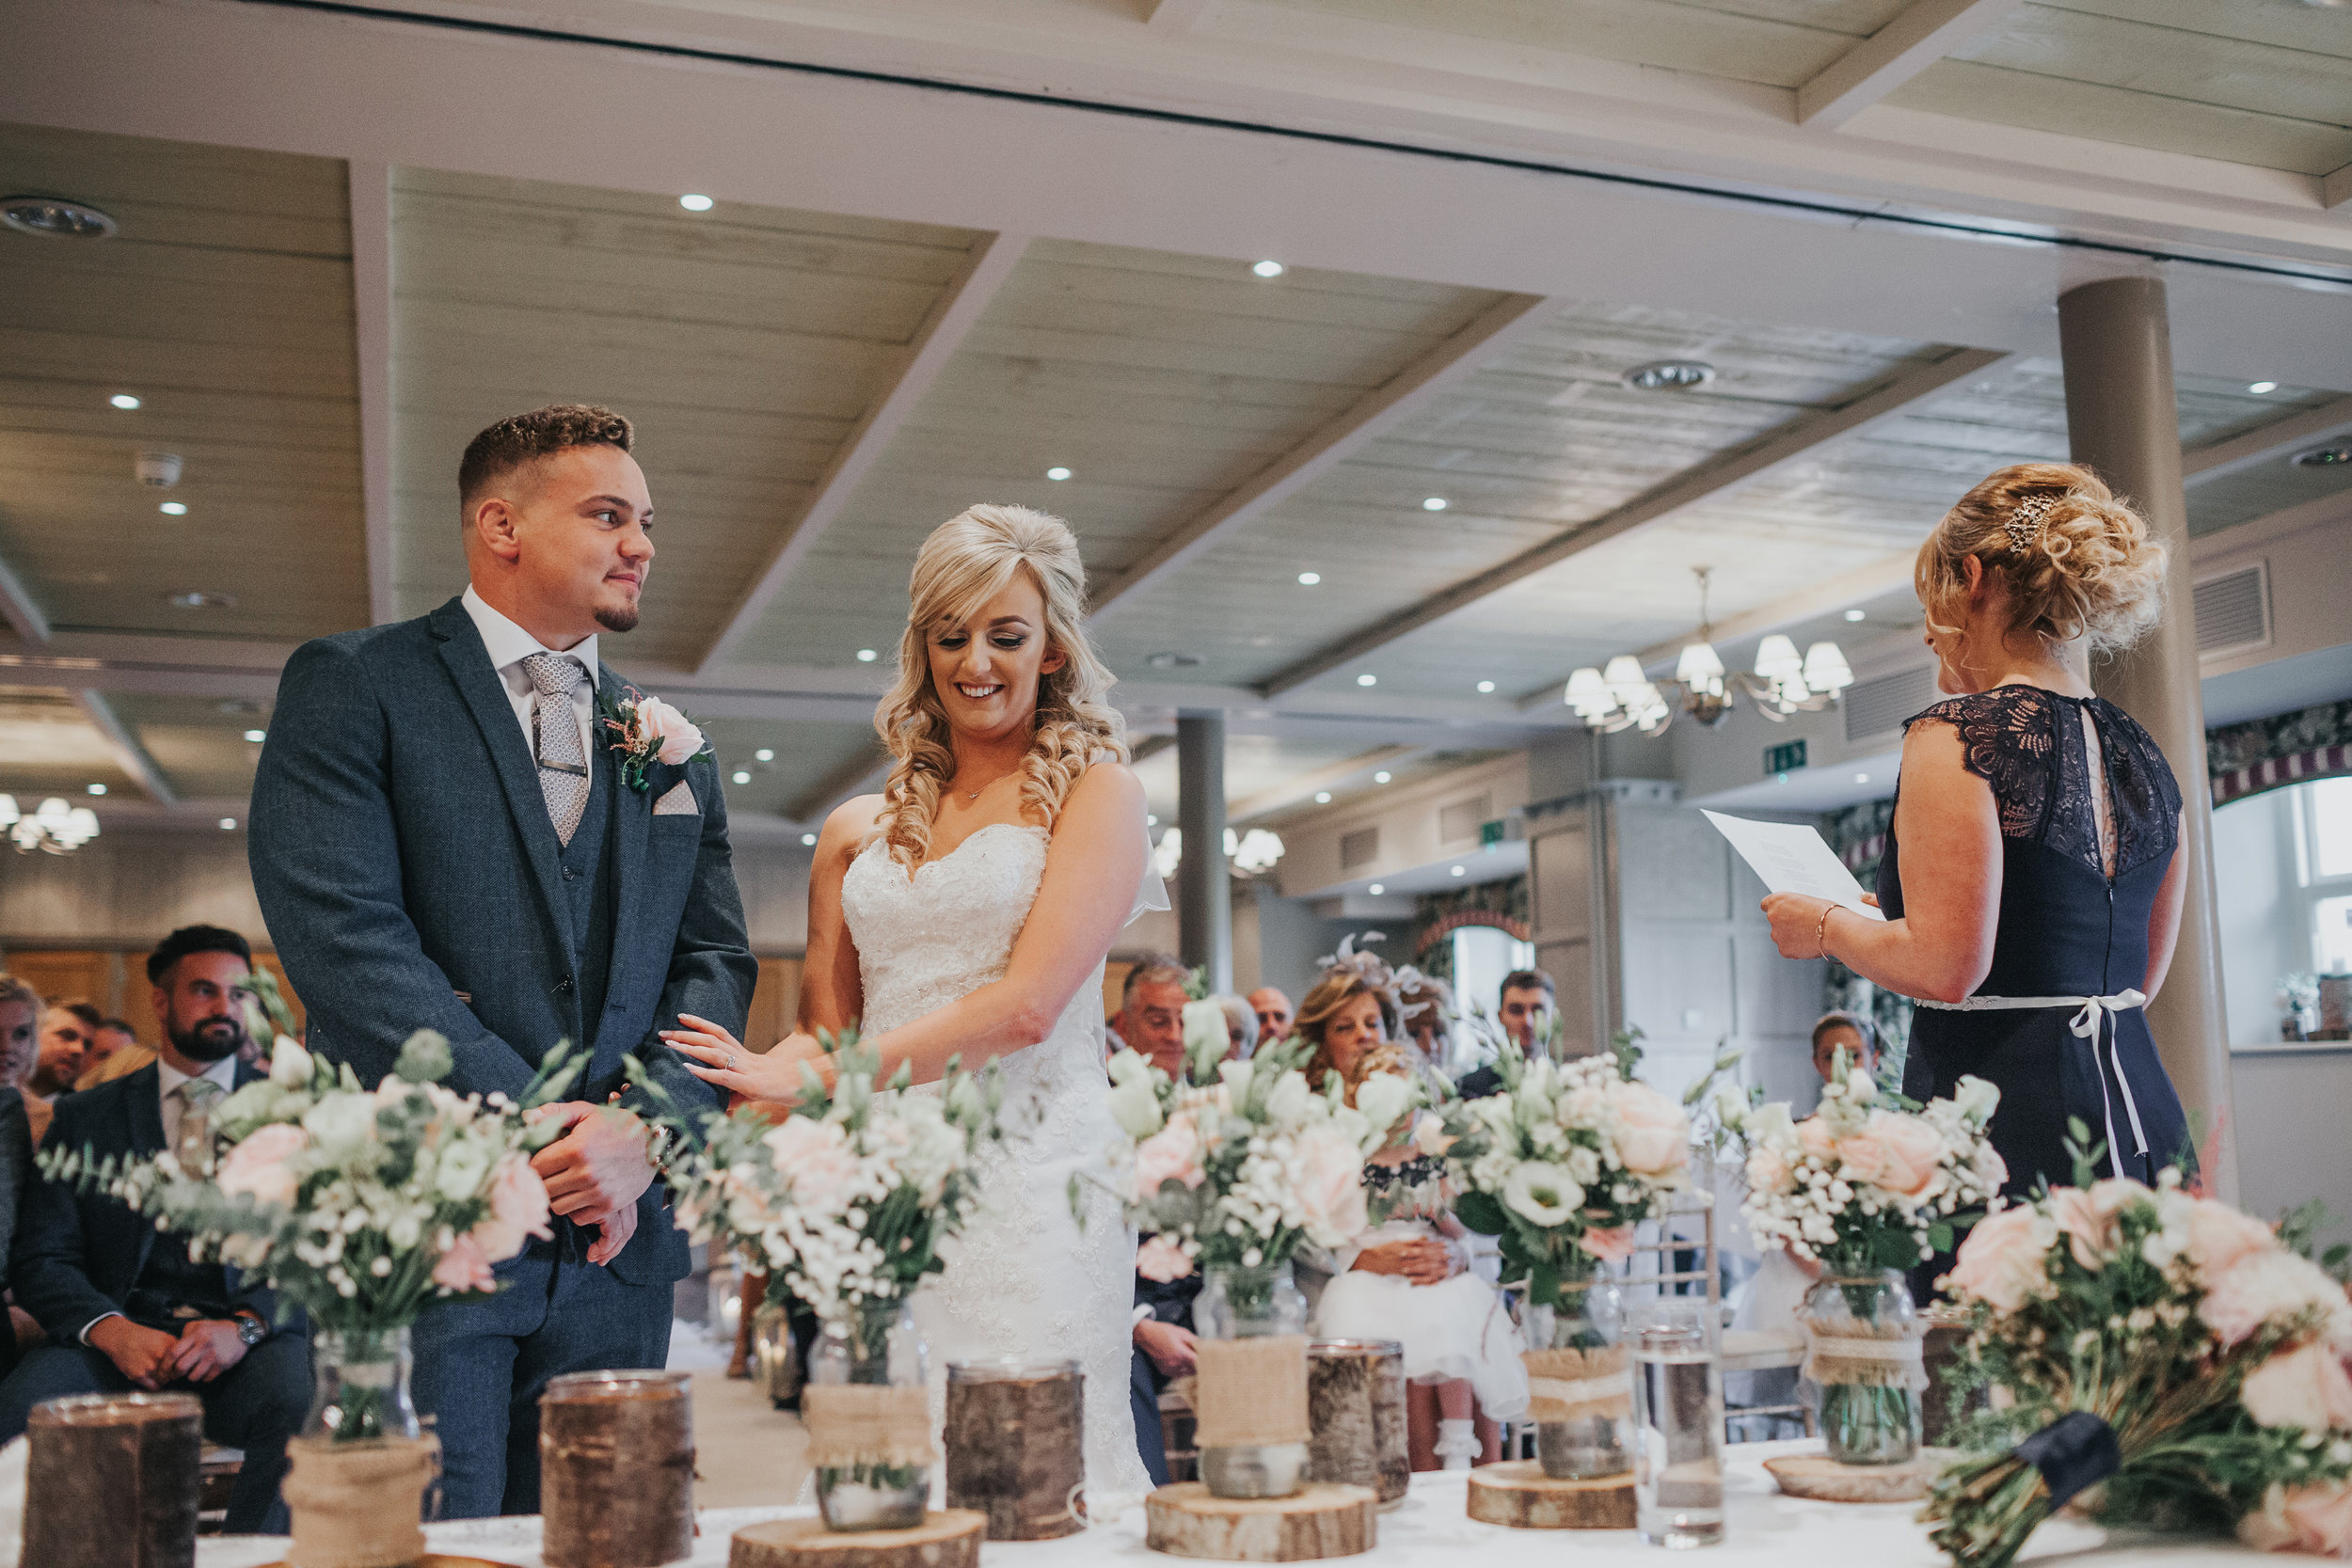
point(562, 766)
point(195, 1144)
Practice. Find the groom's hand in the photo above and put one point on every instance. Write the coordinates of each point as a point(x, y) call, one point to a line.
point(595, 1172)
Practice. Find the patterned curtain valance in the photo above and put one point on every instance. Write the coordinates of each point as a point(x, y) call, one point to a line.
point(1858, 834)
point(2285, 748)
point(1439, 915)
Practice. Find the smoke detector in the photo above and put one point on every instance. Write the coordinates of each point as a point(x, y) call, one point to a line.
point(158, 471)
point(1669, 376)
point(56, 218)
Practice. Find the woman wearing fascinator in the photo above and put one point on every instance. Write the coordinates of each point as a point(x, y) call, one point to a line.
point(1408, 1279)
point(2033, 879)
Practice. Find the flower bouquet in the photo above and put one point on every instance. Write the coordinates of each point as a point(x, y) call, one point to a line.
point(1561, 1165)
point(2167, 1349)
point(845, 1202)
point(1868, 1186)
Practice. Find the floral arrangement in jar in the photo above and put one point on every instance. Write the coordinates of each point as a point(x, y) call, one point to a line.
point(2184, 1357)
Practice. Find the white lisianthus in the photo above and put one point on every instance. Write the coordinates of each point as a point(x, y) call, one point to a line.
point(339, 1123)
point(1236, 1077)
point(1543, 1192)
point(1206, 1037)
point(1290, 1101)
point(289, 1064)
point(463, 1165)
point(1383, 1099)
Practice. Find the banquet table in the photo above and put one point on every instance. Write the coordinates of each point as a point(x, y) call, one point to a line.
point(1763, 1529)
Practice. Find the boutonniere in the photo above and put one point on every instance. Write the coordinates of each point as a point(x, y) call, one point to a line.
point(646, 730)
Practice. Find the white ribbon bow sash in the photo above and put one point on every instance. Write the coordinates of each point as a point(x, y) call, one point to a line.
point(2092, 1024)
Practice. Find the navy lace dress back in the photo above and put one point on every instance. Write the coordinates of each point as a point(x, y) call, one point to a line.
point(2070, 927)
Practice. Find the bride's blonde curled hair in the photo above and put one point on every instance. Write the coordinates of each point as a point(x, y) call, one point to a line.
point(2077, 558)
point(967, 561)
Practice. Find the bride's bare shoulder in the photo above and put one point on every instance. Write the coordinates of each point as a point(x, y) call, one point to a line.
point(849, 825)
point(1108, 786)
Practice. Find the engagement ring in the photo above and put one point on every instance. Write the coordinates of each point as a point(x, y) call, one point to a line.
point(730, 1061)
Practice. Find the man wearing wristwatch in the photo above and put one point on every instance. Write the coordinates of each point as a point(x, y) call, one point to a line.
point(123, 1305)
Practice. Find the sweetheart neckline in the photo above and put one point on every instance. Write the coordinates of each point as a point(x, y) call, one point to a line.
point(984, 828)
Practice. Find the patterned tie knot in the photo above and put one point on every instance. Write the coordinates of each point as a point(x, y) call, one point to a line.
point(553, 674)
point(198, 1093)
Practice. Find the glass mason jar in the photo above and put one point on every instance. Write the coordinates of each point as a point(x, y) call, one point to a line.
point(1868, 1386)
point(1239, 1303)
point(877, 1344)
point(1586, 1321)
point(359, 1385)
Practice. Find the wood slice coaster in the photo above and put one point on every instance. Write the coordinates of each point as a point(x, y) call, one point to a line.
point(1519, 1494)
point(1326, 1519)
point(948, 1538)
point(1818, 1476)
point(437, 1559)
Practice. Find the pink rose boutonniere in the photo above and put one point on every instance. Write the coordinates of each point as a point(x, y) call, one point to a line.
point(646, 730)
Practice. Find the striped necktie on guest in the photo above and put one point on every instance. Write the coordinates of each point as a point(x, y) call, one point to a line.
point(555, 729)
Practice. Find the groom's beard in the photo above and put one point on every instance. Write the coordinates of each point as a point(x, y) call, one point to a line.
point(616, 617)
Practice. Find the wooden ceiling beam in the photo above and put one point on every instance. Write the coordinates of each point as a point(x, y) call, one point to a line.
point(131, 756)
point(1917, 38)
point(1495, 329)
point(371, 187)
point(1709, 481)
point(23, 612)
point(951, 319)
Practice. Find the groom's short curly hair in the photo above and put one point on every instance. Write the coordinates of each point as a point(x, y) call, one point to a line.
point(522, 438)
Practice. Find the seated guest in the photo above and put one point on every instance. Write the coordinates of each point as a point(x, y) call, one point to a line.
point(1240, 1026)
point(20, 1028)
point(1165, 1349)
point(1429, 1014)
point(126, 1307)
point(1152, 1011)
point(67, 1030)
point(1525, 1006)
point(21, 1010)
point(115, 1053)
point(1273, 1008)
point(1856, 1036)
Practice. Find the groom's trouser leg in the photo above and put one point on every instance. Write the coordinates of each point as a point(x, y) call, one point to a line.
point(466, 1368)
point(594, 1321)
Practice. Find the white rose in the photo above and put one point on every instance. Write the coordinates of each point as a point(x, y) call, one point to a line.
point(1976, 1100)
point(1543, 1192)
point(341, 1123)
point(289, 1064)
point(463, 1165)
point(1383, 1099)
point(1134, 1104)
point(1291, 1100)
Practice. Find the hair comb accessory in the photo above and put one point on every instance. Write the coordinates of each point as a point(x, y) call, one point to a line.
point(2024, 521)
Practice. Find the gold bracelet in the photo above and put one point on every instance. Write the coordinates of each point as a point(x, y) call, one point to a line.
point(1820, 930)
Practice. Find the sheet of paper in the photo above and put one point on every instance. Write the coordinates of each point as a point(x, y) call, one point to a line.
point(1793, 859)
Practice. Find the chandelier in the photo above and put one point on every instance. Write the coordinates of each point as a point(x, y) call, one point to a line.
point(1253, 852)
point(54, 827)
point(1624, 697)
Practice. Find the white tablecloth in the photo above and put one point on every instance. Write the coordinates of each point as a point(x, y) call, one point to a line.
point(1431, 1531)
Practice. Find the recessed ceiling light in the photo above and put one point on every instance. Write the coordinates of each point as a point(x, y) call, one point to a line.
point(1486, 686)
point(866, 656)
point(808, 841)
point(1151, 819)
point(1375, 890)
point(227, 824)
point(1862, 777)
point(257, 736)
point(173, 509)
point(1268, 269)
point(1057, 472)
point(1308, 579)
point(1381, 777)
point(123, 401)
point(54, 217)
point(741, 777)
point(196, 599)
point(2259, 387)
point(764, 754)
point(2323, 457)
point(1435, 503)
point(1458, 871)
point(1669, 376)
point(1322, 797)
point(695, 202)
point(98, 789)
point(1854, 615)
point(1367, 680)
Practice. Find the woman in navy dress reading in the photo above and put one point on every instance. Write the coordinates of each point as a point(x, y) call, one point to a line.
point(2033, 879)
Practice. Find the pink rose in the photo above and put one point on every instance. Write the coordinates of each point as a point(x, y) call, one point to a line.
point(1610, 1246)
point(2002, 1261)
point(813, 1156)
point(2274, 1285)
point(1768, 1172)
point(1173, 1153)
point(2220, 1236)
point(1331, 1186)
point(1653, 1134)
point(664, 727)
point(1895, 1154)
point(1814, 1133)
point(2315, 1519)
point(2088, 1225)
point(258, 1165)
point(463, 1267)
point(2301, 1387)
point(1161, 1260)
point(518, 1208)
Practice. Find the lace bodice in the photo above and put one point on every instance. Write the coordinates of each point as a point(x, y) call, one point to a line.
point(2028, 743)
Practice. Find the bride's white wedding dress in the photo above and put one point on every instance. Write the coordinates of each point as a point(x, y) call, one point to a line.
point(1025, 1279)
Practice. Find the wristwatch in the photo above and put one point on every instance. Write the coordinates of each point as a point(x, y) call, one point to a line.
point(251, 1329)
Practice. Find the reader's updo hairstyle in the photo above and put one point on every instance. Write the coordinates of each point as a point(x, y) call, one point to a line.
point(2077, 561)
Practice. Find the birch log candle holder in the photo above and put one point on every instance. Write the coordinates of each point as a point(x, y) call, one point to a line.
point(111, 1481)
point(1356, 1407)
point(617, 1466)
point(1016, 1448)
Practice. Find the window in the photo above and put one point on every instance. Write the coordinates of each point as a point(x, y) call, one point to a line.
point(2327, 807)
point(2282, 873)
point(2323, 810)
point(1482, 955)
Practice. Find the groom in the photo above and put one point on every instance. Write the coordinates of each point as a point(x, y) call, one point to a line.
point(442, 837)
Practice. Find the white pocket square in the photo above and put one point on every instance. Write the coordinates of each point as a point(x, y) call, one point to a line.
point(679, 802)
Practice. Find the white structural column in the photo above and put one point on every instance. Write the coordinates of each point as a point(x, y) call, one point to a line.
point(2123, 421)
point(371, 330)
point(1205, 898)
point(1913, 40)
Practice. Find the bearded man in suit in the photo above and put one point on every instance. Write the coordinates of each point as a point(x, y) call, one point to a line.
point(450, 831)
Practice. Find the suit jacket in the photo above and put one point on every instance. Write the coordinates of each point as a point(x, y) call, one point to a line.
point(16, 1166)
point(77, 1254)
point(404, 862)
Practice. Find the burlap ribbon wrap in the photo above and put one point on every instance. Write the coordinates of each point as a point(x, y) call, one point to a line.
point(356, 1505)
point(863, 1423)
point(1251, 1393)
point(1895, 1361)
point(1577, 1385)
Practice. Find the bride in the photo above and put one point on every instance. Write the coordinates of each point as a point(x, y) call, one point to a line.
point(965, 911)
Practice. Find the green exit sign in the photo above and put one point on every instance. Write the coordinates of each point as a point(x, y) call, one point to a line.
point(1784, 758)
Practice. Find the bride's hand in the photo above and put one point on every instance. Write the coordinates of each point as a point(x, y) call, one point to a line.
point(719, 1059)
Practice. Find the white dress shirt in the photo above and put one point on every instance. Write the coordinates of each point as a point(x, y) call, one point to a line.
point(223, 1072)
point(509, 646)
